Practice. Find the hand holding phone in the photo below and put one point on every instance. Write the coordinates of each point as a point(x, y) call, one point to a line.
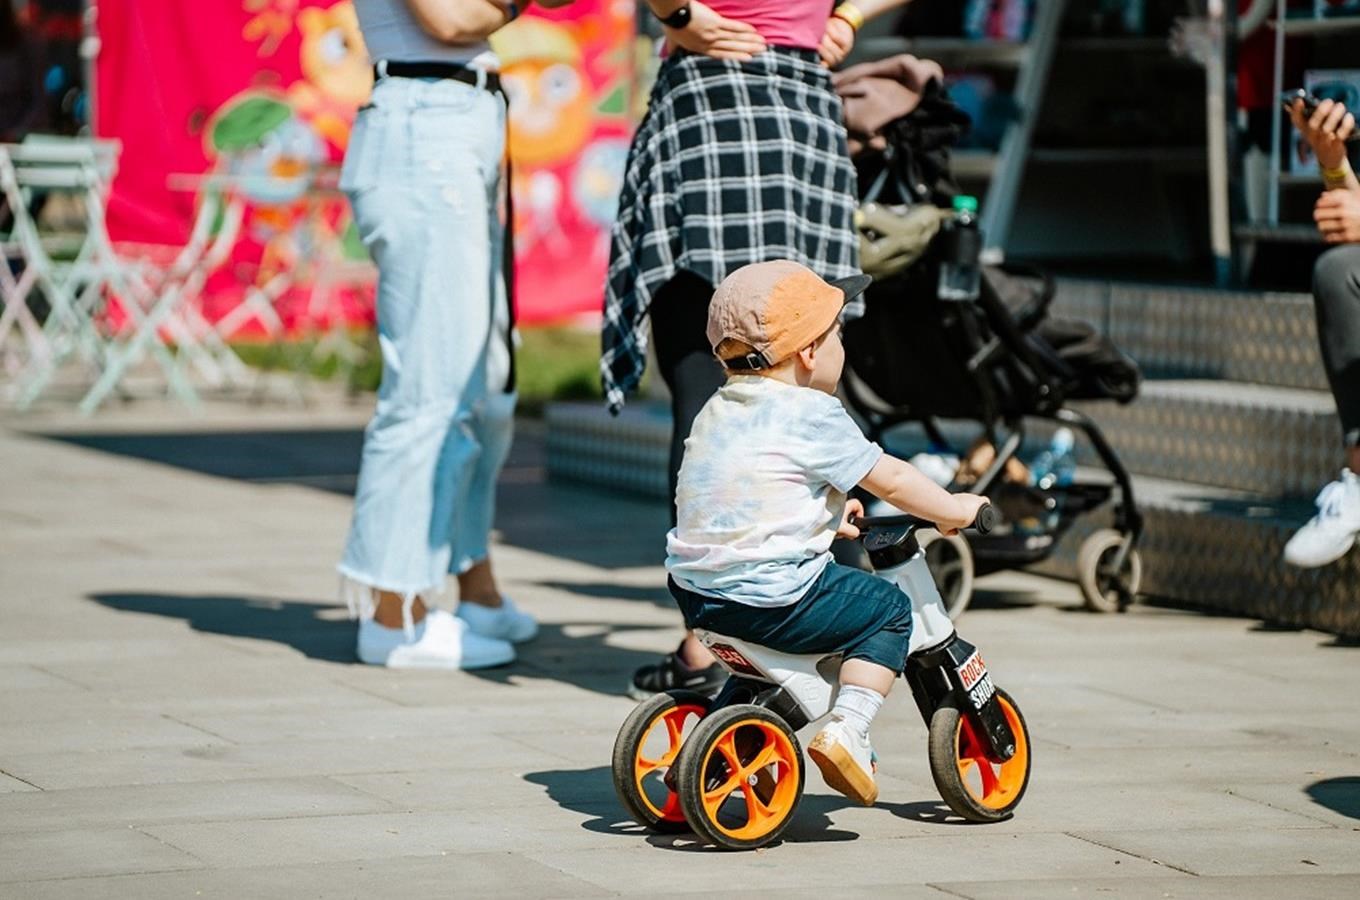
point(1326, 125)
point(1310, 102)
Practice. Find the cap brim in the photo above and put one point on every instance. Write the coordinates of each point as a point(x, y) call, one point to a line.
point(853, 286)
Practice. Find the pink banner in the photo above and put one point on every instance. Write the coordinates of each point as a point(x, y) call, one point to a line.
point(268, 88)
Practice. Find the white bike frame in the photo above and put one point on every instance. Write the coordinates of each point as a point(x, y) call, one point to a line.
point(812, 680)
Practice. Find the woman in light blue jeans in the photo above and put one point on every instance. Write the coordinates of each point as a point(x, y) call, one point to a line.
point(422, 173)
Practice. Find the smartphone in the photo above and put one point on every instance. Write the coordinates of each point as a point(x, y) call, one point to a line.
point(1310, 105)
point(1310, 102)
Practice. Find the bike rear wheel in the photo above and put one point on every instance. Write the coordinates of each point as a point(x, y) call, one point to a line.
point(740, 777)
point(648, 743)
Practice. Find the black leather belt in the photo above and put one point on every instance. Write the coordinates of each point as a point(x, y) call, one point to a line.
point(453, 71)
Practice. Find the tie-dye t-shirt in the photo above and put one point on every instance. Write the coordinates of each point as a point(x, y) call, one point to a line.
point(762, 491)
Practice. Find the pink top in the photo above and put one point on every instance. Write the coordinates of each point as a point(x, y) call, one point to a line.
point(789, 23)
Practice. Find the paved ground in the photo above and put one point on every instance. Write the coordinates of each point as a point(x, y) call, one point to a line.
point(181, 717)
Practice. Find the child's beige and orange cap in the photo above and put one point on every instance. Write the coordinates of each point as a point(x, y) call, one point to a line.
point(769, 311)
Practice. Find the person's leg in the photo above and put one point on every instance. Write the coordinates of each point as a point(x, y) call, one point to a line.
point(679, 316)
point(685, 361)
point(1336, 293)
point(480, 602)
point(1331, 533)
point(849, 611)
point(422, 214)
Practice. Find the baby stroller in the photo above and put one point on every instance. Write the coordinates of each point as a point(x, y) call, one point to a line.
point(1000, 361)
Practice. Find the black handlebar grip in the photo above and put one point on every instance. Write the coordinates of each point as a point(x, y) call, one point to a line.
point(986, 519)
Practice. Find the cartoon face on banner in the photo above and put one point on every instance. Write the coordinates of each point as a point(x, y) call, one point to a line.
point(333, 55)
point(567, 77)
point(548, 90)
point(265, 92)
point(258, 137)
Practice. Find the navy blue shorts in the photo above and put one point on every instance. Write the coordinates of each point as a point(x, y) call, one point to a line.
point(846, 611)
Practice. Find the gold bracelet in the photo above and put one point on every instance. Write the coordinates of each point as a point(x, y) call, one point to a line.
point(849, 14)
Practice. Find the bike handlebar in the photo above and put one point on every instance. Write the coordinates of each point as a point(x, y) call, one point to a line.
point(986, 520)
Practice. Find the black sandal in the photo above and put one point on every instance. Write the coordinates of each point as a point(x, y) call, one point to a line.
point(671, 673)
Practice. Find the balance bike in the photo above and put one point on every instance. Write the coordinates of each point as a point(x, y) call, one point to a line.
point(730, 768)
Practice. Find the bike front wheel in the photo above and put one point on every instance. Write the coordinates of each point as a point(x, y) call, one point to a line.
point(976, 786)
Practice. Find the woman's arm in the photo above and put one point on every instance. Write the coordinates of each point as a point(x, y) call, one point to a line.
point(464, 21)
point(1326, 131)
point(708, 33)
point(845, 22)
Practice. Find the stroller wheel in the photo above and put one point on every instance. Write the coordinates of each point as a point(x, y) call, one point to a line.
point(951, 564)
point(1102, 588)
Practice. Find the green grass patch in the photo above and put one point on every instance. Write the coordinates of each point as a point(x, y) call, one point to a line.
point(556, 363)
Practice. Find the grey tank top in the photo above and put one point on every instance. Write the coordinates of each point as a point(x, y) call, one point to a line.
point(392, 32)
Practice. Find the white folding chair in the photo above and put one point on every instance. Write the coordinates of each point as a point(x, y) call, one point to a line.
point(168, 304)
point(14, 292)
point(77, 288)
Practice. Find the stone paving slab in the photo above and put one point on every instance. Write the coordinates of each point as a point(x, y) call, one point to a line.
point(76, 853)
point(475, 875)
point(182, 715)
point(134, 805)
point(1313, 887)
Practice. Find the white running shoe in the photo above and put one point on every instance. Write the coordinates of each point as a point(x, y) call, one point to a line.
point(1331, 533)
point(506, 622)
point(441, 642)
point(846, 761)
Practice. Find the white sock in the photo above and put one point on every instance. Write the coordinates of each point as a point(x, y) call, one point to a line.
point(857, 706)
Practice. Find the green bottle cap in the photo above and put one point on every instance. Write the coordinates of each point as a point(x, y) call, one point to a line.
point(965, 203)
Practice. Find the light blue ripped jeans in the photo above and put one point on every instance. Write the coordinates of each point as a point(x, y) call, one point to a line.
point(423, 175)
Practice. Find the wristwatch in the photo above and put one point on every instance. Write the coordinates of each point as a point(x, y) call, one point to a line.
point(677, 19)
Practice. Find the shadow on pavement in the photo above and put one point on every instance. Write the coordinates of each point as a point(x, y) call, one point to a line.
point(658, 595)
point(582, 659)
point(591, 791)
point(324, 459)
point(295, 623)
point(570, 521)
point(576, 653)
point(1341, 795)
point(588, 791)
point(984, 598)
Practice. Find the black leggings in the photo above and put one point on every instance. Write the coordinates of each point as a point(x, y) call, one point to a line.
point(1336, 295)
point(679, 315)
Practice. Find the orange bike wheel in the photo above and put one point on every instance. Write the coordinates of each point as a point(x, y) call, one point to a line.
point(975, 785)
point(740, 777)
point(644, 753)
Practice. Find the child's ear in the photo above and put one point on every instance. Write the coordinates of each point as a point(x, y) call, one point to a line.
point(808, 355)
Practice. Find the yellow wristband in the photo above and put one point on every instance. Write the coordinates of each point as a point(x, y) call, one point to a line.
point(1337, 177)
point(849, 14)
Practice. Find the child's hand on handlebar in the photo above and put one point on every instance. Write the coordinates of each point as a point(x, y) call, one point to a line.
point(853, 509)
point(968, 506)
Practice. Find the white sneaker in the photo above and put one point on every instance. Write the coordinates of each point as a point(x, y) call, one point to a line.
point(506, 622)
point(441, 642)
point(376, 642)
point(846, 761)
point(1331, 533)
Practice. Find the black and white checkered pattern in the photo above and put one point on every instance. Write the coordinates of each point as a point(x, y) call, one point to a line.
point(734, 163)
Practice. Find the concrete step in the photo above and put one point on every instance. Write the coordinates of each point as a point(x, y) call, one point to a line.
point(1220, 550)
point(1248, 437)
point(1205, 546)
point(1180, 332)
